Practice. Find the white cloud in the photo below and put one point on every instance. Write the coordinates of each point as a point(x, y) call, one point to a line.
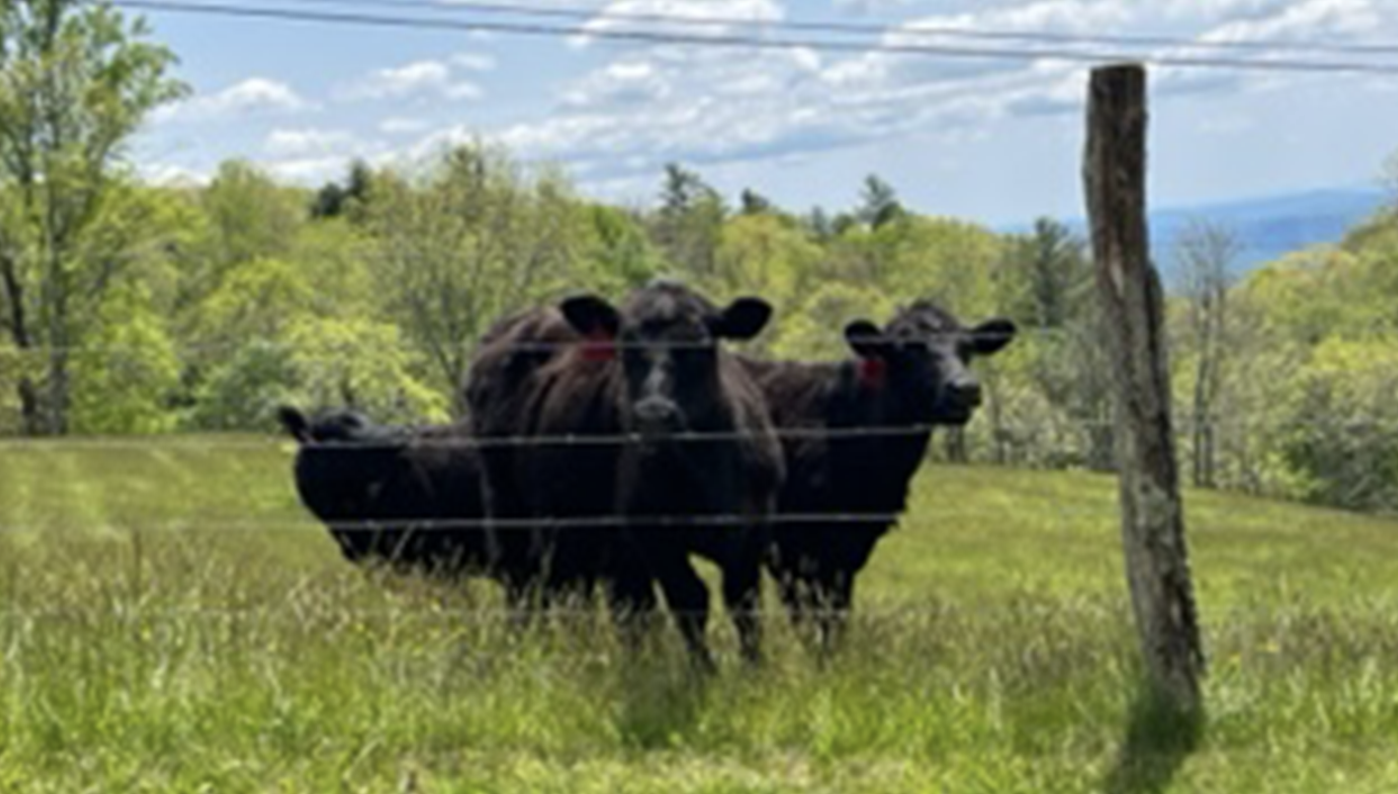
point(302, 142)
point(474, 61)
point(253, 95)
point(701, 105)
point(171, 175)
point(398, 125)
point(870, 6)
point(419, 78)
point(308, 170)
point(694, 17)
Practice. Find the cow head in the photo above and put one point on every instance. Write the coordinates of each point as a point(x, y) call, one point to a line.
point(668, 338)
point(923, 355)
point(344, 460)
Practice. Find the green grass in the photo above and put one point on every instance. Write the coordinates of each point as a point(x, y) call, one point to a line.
point(172, 621)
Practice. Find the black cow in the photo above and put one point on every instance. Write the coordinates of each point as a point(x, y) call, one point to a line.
point(854, 433)
point(700, 470)
point(391, 494)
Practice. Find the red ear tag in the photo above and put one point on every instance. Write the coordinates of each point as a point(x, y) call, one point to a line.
point(872, 372)
point(598, 346)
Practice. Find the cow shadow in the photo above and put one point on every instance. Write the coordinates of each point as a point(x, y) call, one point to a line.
point(1159, 737)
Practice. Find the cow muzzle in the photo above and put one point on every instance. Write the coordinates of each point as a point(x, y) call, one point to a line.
point(657, 416)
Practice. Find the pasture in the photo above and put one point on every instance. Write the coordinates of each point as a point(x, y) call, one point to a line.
point(172, 620)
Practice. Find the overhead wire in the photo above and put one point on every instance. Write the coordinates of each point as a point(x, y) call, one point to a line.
point(758, 43)
point(915, 29)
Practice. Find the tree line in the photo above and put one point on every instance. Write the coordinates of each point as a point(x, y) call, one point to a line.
point(132, 308)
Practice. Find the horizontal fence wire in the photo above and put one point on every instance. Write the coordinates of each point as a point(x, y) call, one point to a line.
point(966, 335)
point(402, 437)
point(492, 614)
point(507, 524)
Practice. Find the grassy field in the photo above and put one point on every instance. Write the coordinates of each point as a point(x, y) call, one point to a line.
point(173, 622)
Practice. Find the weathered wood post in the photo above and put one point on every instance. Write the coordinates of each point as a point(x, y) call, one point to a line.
point(1152, 516)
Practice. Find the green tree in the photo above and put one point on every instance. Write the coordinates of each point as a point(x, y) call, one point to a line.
point(478, 238)
point(248, 216)
point(76, 80)
point(750, 202)
point(689, 223)
point(1050, 268)
point(620, 255)
point(879, 203)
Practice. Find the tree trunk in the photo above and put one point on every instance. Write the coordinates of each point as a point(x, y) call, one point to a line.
point(955, 444)
point(1157, 560)
point(31, 415)
point(30, 405)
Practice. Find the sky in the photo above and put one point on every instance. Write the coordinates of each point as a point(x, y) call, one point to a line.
point(997, 141)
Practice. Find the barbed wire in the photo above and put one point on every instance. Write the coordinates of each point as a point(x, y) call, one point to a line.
point(496, 614)
point(754, 43)
point(1016, 605)
point(408, 436)
point(407, 525)
point(549, 347)
point(913, 29)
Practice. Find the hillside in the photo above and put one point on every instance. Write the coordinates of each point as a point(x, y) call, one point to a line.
point(1268, 227)
point(224, 645)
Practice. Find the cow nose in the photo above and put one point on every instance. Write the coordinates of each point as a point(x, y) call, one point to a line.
point(656, 414)
point(966, 393)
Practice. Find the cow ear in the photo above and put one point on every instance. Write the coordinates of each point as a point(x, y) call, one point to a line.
point(990, 336)
point(591, 316)
point(743, 319)
point(866, 340)
point(295, 423)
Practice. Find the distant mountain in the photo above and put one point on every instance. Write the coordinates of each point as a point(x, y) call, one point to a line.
point(1268, 226)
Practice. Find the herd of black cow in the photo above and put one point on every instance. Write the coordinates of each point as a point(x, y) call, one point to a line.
point(604, 445)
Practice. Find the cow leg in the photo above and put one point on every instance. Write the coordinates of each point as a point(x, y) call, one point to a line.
point(688, 599)
point(742, 594)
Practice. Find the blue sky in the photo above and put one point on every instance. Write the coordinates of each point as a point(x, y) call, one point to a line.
point(997, 141)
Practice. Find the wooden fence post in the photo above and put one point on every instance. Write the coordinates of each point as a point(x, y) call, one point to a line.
point(1152, 516)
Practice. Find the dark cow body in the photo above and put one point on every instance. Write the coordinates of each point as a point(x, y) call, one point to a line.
point(389, 494)
point(905, 378)
point(652, 373)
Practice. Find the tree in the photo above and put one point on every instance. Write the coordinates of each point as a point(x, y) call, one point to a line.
point(76, 80)
point(334, 200)
point(689, 222)
point(1206, 253)
point(477, 239)
point(750, 202)
point(1054, 272)
point(878, 203)
point(819, 225)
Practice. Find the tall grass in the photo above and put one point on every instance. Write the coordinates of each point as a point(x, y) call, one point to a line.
point(157, 635)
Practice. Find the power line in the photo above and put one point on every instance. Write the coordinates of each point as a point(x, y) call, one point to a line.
point(864, 29)
point(750, 42)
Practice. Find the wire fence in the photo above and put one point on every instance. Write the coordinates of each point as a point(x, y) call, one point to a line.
point(403, 437)
point(487, 614)
point(621, 345)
